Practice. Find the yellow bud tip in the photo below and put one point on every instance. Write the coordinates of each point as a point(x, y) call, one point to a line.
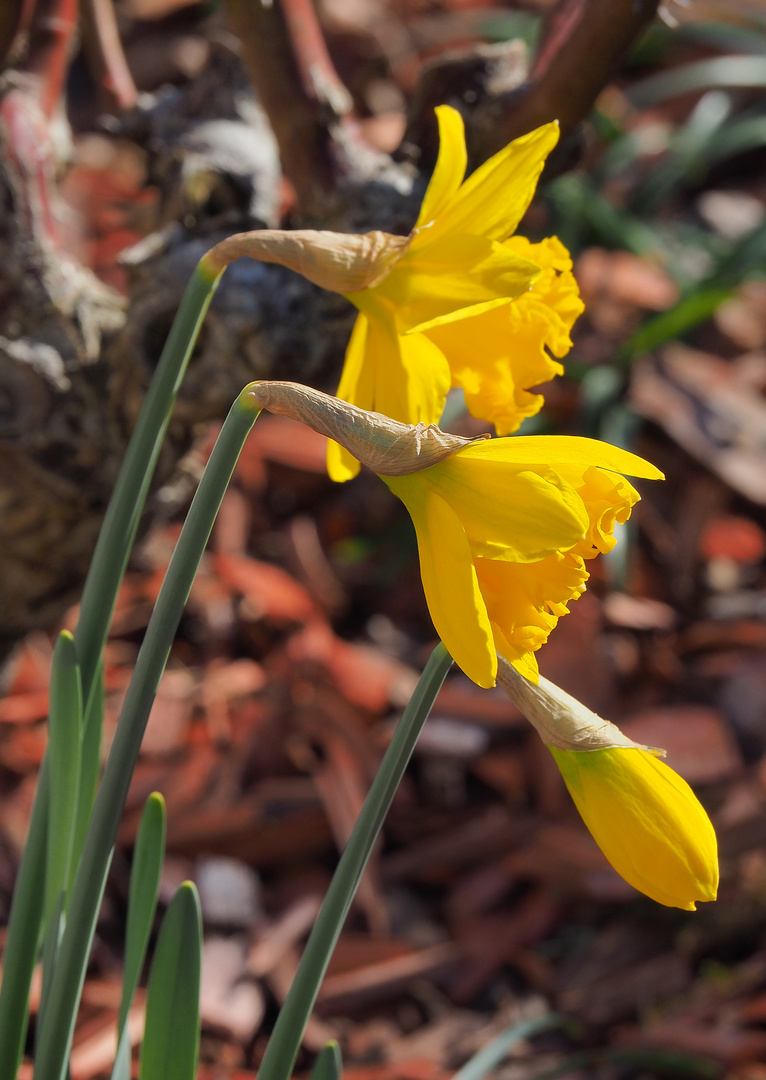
point(249, 399)
point(212, 264)
point(647, 821)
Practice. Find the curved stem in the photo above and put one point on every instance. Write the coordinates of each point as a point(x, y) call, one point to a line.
point(54, 1038)
point(279, 1059)
point(104, 576)
point(126, 505)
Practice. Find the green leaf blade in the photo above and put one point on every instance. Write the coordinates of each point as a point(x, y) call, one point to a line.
point(142, 900)
point(171, 1036)
point(90, 766)
point(494, 1053)
point(118, 531)
point(121, 1067)
point(24, 927)
point(64, 750)
point(329, 1063)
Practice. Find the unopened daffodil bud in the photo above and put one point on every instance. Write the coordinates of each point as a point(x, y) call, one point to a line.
point(645, 818)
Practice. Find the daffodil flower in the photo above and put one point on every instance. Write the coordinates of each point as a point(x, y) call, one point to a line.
point(504, 528)
point(465, 304)
point(458, 302)
point(645, 818)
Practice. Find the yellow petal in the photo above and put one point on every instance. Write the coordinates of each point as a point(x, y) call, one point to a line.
point(355, 381)
point(493, 199)
point(427, 381)
point(403, 377)
point(554, 299)
point(450, 165)
point(562, 450)
point(341, 465)
point(495, 378)
point(647, 821)
point(516, 339)
point(356, 386)
point(449, 580)
point(459, 272)
point(459, 315)
point(410, 377)
point(510, 513)
point(526, 665)
point(608, 499)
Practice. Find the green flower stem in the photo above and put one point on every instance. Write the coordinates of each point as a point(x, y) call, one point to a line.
point(56, 1033)
point(104, 576)
point(127, 502)
point(279, 1059)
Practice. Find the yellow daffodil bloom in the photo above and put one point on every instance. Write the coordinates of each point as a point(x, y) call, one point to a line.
point(464, 303)
point(646, 820)
point(504, 528)
point(644, 817)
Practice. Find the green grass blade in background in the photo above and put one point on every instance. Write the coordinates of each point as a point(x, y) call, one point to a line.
point(64, 753)
point(279, 1059)
point(690, 311)
point(718, 71)
point(171, 1035)
point(90, 880)
point(495, 1052)
point(749, 38)
point(747, 133)
point(329, 1064)
point(685, 162)
point(145, 876)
